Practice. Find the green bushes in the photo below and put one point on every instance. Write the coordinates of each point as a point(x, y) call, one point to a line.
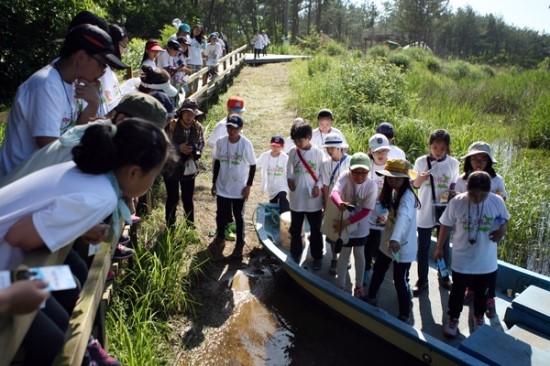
point(400, 59)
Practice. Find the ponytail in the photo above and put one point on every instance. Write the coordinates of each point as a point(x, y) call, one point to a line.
point(132, 142)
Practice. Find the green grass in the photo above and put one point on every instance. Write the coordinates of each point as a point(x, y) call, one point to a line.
point(151, 294)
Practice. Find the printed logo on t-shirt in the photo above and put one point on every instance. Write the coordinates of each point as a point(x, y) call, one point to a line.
point(474, 224)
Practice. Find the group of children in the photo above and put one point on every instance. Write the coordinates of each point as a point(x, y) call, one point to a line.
point(383, 209)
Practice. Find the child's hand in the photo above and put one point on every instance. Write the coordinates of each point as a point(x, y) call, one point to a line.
point(23, 297)
point(88, 91)
point(497, 235)
point(96, 234)
point(315, 192)
point(185, 149)
point(291, 184)
point(343, 206)
point(213, 190)
point(246, 192)
point(381, 220)
point(394, 246)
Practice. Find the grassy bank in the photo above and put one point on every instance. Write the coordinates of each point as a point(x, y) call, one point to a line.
point(418, 93)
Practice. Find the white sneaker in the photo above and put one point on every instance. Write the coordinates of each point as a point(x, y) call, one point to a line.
point(451, 328)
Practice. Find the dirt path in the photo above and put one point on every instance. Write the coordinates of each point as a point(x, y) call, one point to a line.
point(214, 335)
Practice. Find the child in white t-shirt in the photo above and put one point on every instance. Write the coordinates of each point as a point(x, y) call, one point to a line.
point(438, 173)
point(234, 169)
point(480, 220)
point(355, 193)
point(303, 171)
point(273, 165)
point(330, 171)
point(213, 53)
point(379, 148)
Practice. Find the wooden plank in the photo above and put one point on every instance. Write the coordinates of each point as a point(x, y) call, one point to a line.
point(84, 313)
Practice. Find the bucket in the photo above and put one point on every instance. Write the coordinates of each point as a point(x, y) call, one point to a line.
point(284, 229)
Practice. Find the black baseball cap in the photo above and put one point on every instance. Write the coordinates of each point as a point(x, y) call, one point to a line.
point(277, 140)
point(93, 40)
point(234, 121)
point(386, 129)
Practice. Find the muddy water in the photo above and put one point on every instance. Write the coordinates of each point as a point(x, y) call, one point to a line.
point(274, 322)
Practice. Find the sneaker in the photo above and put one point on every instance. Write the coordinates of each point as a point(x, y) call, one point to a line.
point(491, 309)
point(135, 219)
point(479, 321)
point(110, 275)
point(124, 239)
point(229, 232)
point(359, 293)
point(333, 263)
point(451, 328)
point(468, 296)
point(317, 264)
point(100, 356)
point(419, 287)
point(445, 282)
point(122, 252)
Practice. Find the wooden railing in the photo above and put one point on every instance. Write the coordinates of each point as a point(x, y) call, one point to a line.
point(90, 308)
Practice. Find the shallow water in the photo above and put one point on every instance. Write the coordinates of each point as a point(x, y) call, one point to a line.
point(275, 323)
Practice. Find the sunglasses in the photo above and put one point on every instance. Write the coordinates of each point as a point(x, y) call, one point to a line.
point(101, 63)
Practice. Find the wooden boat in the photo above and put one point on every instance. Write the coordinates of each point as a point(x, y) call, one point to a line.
point(520, 337)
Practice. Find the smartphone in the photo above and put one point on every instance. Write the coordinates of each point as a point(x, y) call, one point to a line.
point(350, 208)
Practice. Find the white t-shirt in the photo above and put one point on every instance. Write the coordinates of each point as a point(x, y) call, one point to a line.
point(258, 41)
point(266, 39)
point(300, 199)
point(474, 222)
point(195, 52)
point(396, 153)
point(361, 196)
point(289, 144)
point(164, 60)
point(403, 231)
point(444, 173)
point(497, 186)
point(43, 106)
point(110, 92)
point(64, 204)
point(273, 173)
point(213, 54)
point(331, 168)
point(318, 138)
point(378, 209)
point(235, 158)
point(149, 62)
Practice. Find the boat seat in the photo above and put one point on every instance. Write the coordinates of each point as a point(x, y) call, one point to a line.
point(495, 347)
point(530, 336)
point(530, 308)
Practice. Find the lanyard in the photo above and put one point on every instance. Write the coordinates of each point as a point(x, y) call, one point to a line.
point(336, 169)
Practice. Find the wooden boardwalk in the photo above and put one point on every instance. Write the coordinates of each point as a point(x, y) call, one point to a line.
point(249, 58)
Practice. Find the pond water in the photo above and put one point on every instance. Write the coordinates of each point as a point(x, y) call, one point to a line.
point(275, 323)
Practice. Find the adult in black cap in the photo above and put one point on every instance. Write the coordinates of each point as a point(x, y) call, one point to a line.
point(46, 105)
point(386, 129)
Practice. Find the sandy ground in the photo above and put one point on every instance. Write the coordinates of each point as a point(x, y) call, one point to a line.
point(210, 335)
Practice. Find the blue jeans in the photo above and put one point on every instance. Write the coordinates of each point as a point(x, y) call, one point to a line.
point(224, 208)
point(46, 335)
point(424, 242)
point(478, 283)
point(400, 281)
point(316, 238)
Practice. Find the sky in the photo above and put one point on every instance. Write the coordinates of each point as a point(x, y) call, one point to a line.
point(533, 14)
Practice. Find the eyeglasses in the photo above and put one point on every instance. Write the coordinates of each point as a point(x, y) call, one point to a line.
point(101, 63)
point(363, 174)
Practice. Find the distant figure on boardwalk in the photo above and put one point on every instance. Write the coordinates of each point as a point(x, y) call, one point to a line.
point(258, 41)
point(266, 42)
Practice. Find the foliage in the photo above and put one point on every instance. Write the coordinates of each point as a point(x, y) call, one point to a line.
point(151, 293)
point(400, 59)
point(134, 53)
point(377, 52)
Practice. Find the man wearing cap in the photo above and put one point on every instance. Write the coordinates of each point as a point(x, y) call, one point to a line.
point(324, 123)
point(386, 129)
point(232, 180)
point(273, 166)
point(187, 137)
point(266, 42)
point(135, 104)
point(47, 104)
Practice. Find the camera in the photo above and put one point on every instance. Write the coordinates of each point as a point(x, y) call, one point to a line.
point(350, 207)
